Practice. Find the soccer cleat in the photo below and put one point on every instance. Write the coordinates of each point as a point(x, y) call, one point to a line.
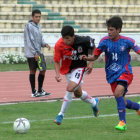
point(43, 93)
point(35, 93)
point(95, 108)
point(58, 119)
point(138, 111)
point(121, 126)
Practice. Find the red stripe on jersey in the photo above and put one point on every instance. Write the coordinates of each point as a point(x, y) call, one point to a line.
point(81, 76)
point(97, 51)
point(127, 64)
point(106, 37)
point(138, 51)
point(128, 38)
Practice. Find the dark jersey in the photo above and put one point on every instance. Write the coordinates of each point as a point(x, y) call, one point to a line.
point(70, 55)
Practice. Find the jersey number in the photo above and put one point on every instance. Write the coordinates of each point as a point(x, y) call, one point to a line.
point(77, 75)
point(114, 56)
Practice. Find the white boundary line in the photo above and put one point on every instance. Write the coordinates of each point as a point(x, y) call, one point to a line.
point(74, 118)
point(54, 100)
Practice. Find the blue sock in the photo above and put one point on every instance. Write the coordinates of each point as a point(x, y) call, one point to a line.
point(121, 108)
point(132, 105)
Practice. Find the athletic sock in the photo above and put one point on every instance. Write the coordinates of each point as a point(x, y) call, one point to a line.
point(132, 105)
point(66, 102)
point(121, 108)
point(32, 81)
point(86, 98)
point(40, 82)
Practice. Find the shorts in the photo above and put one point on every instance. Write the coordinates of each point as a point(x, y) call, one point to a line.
point(124, 80)
point(77, 76)
point(40, 64)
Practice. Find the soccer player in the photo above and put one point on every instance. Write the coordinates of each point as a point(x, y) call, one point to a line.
point(33, 41)
point(67, 51)
point(118, 69)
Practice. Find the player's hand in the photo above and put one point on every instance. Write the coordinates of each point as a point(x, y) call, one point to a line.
point(36, 57)
point(89, 68)
point(48, 46)
point(58, 78)
point(83, 57)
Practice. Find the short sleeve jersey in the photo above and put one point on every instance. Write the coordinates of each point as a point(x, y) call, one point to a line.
point(117, 56)
point(70, 55)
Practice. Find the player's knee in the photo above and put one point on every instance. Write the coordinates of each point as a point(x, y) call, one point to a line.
point(70, 89)
point(77, 94)
point(117, 94)
point(43, 72)
point(32, 71)
point(119, 91)
point(68, 96)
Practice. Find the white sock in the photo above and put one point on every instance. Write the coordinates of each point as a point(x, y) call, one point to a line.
point(86, 98)
point(66, 101)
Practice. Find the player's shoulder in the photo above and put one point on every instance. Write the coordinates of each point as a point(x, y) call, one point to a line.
point(30, 25)
point(105, 38)
point(129, 39)
point(81, 39)
point(59, 42)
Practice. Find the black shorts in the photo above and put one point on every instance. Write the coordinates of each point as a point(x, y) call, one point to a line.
point(40, 64)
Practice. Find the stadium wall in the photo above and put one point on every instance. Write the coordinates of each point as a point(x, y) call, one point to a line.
point(15, 41)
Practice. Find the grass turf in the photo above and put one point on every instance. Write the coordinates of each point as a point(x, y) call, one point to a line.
point(24, 67)
point(42, 114)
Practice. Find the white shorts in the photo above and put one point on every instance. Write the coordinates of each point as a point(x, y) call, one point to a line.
point(76, 76)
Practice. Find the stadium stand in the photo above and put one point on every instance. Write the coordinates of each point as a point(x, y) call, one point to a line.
point(83, 15)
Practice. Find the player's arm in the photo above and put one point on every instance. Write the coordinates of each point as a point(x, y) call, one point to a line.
point(90, 64)
point(44, 44)
point(134, 46)
point(93, 57)
point(97, 51)
point(31, 39)
point(57, 57)
point(89, 58)
point(57, 69)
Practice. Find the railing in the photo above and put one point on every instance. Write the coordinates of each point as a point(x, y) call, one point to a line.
point(16, 40)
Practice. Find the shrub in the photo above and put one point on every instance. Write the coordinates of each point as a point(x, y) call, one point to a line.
point(12, 58)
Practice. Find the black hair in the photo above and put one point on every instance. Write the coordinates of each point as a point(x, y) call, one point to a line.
point(67, 31)
point(36, 11)
point(115, 22)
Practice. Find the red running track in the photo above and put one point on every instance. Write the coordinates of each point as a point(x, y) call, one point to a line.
point(15, 87)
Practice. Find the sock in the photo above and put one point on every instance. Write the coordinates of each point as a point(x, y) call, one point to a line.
point(132, 105)
point(121, 108)
point(40, 82)
point(66, 101)
point(86, 98)
point(32, 81)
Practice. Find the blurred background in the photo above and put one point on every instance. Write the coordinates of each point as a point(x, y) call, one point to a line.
point(88, 17)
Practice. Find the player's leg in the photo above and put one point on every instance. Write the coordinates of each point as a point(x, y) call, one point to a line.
point(77, 77)
point(42, 68)
point(119, 89)
point(118, 93)
point(129, 104)
point(32, 66)
point(132, 105)
point(83, 95)
point(41, 80)
point(66, 102)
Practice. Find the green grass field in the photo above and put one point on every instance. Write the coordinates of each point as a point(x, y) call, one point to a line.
point(24, 67)
point(78, 123)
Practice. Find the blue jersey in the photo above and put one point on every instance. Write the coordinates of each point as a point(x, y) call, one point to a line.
point(117, 56)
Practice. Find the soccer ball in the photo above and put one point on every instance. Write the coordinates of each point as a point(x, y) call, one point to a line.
point(21, 125)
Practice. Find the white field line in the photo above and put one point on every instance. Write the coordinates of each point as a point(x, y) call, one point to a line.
point(73, 118)
point(74, 99)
